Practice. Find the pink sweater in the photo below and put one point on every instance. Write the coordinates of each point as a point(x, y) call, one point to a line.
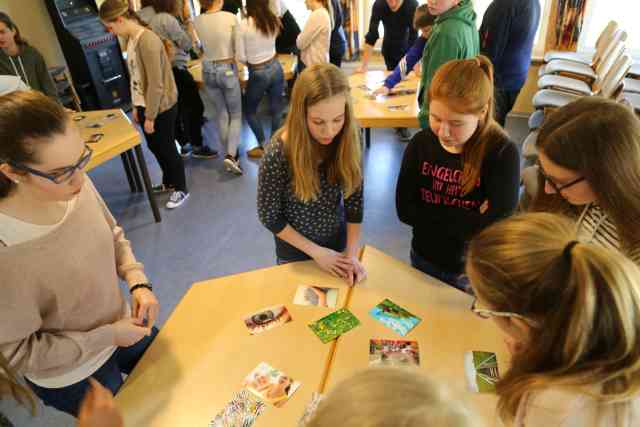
point(59, 294)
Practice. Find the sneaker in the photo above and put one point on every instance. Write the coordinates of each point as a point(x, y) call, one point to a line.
point(204, 152)
point(161, 188)
point(176, 199)
point(185, 151)
point(256, 152)
point(403, 134)
point(232, 165)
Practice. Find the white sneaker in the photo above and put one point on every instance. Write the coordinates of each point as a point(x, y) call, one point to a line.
point(232, 165)
point(176, 199)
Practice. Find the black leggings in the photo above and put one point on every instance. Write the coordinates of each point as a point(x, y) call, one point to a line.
point(162, 144)
point(190, 109)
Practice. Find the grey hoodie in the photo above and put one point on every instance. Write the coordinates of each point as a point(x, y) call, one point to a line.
point(30, 67)
point(167, 27)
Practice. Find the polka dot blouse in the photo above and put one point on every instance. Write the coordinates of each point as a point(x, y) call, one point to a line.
point(317, 220)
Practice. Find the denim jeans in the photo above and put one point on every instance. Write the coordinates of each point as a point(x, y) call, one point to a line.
point(457, 280)
point(68, 399)
point(266, 79)
point(223, 89)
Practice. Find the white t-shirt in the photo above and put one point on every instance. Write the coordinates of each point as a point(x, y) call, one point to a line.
point(253, 46)
point(217, 32)
point(133, 63)
point(10, 84)
point(315, 38)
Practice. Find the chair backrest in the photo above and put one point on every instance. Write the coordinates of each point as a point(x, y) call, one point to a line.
point(606, 35)
point(613, 81)
point(607, 63)
point(618, 35)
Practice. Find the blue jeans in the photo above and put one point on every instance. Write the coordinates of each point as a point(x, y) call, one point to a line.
point(457, 280)
point(223, 89)
point(67, 399)
point(265, 79)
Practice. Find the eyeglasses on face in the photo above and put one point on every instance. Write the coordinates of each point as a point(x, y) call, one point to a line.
point(61, 175)
point(488, 314)
point(557, 187)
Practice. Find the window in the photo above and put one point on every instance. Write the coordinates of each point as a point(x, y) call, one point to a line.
point(598, 15)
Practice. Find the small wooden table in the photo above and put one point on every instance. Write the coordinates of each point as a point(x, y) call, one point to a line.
point(391, 111)
point(288, 62)
point(204, 351)
point(109, 133)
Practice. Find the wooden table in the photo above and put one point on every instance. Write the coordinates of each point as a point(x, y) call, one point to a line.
point(204, 351)
point(448, 328)
point(114, 134)
point(288, 62)
point(379, 112)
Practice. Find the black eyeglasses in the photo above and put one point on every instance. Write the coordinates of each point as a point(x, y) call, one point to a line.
point(64, 174)
point(556, 187)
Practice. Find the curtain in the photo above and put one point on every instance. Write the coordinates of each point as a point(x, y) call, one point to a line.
point(569, 20)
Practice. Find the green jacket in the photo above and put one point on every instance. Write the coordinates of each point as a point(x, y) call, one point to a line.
point(30, 67)
point(454, 36)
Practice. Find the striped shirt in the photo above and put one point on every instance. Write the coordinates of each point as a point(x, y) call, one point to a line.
point(595, 226)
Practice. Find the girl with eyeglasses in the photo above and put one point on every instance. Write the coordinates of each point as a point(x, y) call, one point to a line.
point(589, 169)
point(570, 313)
point(63, 316)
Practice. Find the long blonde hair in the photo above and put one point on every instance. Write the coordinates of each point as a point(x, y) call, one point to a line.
point(600, 140)
point(466, 86)
point(9, 386)
point(585, 298)
point(380, 397)
point(315, 84)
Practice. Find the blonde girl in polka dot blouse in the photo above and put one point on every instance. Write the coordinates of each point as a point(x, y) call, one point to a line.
point(310, 186)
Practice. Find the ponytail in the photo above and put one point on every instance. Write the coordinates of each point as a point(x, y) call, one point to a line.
point(584, 299)
point(9, 386)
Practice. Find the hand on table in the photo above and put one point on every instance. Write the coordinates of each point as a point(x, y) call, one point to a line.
point(417, 69)
point(361, 69)
point(382, 90)
point(358, 273)
point(149, 126)
point(98, 409)
point(127, 332)
point(145, 306)
point(333, 262)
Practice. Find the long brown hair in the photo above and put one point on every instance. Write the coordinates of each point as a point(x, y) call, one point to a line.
point(26, 118)
point(315, 84)
point(6, 20)
point(584, 298)
point(466, 86)
point(600, 140)
point(9, 386)
point(265, 20)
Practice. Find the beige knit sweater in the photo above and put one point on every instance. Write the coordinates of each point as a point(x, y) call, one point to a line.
point(59, 294)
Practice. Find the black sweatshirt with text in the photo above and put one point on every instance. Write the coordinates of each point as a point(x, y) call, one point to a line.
point(428, 196)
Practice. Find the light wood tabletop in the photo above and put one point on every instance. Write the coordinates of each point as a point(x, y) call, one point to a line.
point(110, 133)
point(288, 62)
point(448, 328)
point(204, 351)
point(118, 134)
point(391, 111)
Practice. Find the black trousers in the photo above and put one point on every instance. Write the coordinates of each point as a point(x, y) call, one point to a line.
point(336, 59)
point(190, 109)
point(162, 144)
point(391, 59)
point(505, 100)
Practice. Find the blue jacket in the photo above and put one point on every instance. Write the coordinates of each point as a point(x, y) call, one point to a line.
point(338, 45)
point(507, 35)
point(413, 56)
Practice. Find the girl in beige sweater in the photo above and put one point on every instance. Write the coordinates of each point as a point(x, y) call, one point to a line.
point(570, 314)
point(63, 316)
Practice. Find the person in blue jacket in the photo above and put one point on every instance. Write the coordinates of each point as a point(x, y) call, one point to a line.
point(507, 35)
point(338, 44)
point(423, 22)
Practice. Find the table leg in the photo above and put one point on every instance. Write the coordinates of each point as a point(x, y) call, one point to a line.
point(367, 137)
point(127, 169)
point(134, 169)
point(147, 182)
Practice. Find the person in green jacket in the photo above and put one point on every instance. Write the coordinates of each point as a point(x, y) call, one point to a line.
point(18, 58)
point(454, 36)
